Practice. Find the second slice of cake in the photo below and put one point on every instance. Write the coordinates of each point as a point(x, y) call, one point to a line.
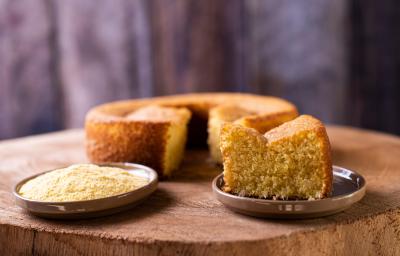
point(292, 161)
point(166, 140)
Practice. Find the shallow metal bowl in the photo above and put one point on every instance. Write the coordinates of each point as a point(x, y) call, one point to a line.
point(348, 188)
point(91, 208)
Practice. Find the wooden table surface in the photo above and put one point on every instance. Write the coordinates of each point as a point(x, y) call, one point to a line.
point(183, 217)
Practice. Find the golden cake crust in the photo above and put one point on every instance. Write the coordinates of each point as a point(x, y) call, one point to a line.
point(308, 122)
point(258, 146)
point(128, 141)
point(112, 137)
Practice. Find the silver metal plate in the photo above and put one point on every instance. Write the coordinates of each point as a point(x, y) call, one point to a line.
point(348, 188)
point(92, 208)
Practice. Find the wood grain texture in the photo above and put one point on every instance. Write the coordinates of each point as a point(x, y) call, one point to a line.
point(198, 45)
point(90, 52)
point(98, 49)
point(337, 60)
point(297, 50)
point(28, 90)
point(183, 218)
point(375, 65)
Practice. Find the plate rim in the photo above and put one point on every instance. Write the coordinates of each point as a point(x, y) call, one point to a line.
point(353, 197)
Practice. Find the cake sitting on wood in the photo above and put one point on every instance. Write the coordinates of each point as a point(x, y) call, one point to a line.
point(154, 135)
point(291, 161)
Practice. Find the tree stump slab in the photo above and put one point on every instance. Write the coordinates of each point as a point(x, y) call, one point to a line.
point(183, 217)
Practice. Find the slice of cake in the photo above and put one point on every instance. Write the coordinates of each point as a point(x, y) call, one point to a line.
point(262, 120)
point(169, 139)
point(291, 161)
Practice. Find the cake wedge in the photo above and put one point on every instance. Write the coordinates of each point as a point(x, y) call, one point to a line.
point(291, 161)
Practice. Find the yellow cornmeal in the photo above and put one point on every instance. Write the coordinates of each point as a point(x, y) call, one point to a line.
point(81, 182)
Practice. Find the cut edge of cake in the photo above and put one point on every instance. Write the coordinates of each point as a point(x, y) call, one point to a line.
point(229, 113)
point(175, 137)
point(217, 117)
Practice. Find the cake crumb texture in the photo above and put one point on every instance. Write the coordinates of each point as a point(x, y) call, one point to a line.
point(291, 161)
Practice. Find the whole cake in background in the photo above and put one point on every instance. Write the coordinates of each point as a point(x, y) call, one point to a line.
point(153, 131)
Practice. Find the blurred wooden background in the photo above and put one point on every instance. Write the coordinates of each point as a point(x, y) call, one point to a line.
point(338, 60)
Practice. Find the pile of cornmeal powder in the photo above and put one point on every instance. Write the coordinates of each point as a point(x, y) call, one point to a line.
point(81, 182)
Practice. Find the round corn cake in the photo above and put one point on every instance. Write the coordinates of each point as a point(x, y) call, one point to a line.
point(112, 135)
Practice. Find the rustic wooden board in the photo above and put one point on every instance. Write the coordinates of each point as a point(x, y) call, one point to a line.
point(183, 217)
